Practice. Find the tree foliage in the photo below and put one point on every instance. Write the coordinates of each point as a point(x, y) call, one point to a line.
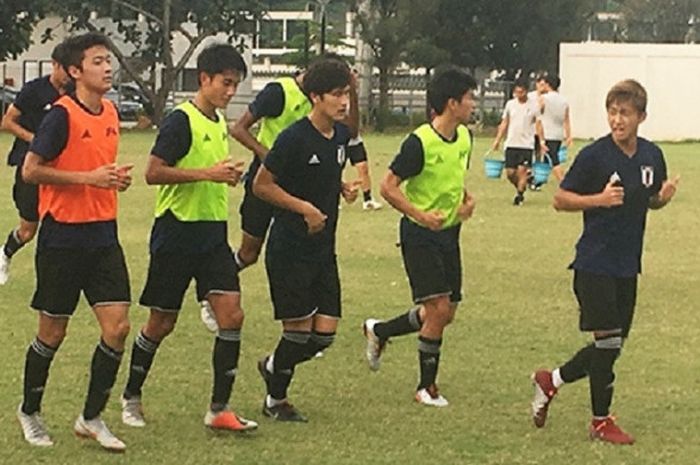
point(145, 45)
point(17, 22)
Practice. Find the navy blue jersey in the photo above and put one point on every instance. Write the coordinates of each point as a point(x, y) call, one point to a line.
point(49, 141)
point(34, 102)
point(308, 166)
point(612, 238)
point(170, 235)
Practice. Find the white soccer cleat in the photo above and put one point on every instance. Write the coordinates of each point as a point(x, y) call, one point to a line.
point(206, 313)
point(4, 267)
point(375, 346)
point(371, 205)
point(97, 430)
point(132, 412)
point(33, 428)
point(431, 397)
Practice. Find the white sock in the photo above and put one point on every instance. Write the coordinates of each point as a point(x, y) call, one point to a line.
point(270, 365)
point(556, 379)
point(271, 402)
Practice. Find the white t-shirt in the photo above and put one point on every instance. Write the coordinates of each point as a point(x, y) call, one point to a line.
point(555, 107)
point(521, 123)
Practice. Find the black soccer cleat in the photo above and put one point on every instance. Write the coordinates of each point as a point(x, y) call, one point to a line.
point(283, 412)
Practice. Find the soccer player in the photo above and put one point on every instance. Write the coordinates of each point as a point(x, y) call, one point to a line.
point(519, 123)
point(614, 181)
point(432, 163)
point(301, 176)
point(72, 158)
point(22, 119)
point(190, 164)
point(556, 123)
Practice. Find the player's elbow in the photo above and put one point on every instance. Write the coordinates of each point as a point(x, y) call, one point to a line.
point(29, 173)
point(558, 202)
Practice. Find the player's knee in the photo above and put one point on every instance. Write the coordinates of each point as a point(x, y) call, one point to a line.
point(438, 312)
point(236, 318)
point(117, 331)
point(158, 328)
point(248, 255)
point(26, 234)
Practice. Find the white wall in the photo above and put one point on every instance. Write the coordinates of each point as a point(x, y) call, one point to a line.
point(669, 72)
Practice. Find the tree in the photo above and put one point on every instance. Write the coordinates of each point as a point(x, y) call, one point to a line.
point(384, 26)
point(649, 21)
point(17, 22)
point(144, 47)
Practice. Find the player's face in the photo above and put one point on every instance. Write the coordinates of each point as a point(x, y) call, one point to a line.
point(221, 87)
point(624, 120)
point(463, 109)
point(96, 72)
point(335, 103)
point(520, 93)
point(541, 86)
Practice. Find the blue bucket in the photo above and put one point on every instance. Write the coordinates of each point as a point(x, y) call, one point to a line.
point(493, 168)
point(563, 154)
point(541, 171)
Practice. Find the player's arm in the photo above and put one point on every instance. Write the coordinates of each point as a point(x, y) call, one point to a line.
point(111, 176)
point(568, 138)
point(570, 201)
point(240, 130)
point(352, 119)
point(502, 128)
point(159, 172)
point(265, 186)
point(539, 130)
point(392, 193)
point(10, 123)
point(665, 195)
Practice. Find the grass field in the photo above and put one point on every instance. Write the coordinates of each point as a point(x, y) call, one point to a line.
point(519, 314)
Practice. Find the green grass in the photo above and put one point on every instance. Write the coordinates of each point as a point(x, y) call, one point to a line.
point(519, 314)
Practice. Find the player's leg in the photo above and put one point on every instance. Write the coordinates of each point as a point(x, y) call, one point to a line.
point(169, 275)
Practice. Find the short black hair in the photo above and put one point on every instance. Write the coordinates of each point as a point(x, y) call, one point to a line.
point(521, 82)
point(220, 57)
point(448, 83)
point(58, 54)
point(75, 47)
point(553, 81)
point(325, 75)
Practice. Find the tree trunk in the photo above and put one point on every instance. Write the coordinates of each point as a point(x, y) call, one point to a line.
point(383, 113)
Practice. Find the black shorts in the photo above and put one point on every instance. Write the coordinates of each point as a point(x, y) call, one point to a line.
point(300, 289)
point(516, 157)
point(169, 276)
point(62, 273)
point(432, 260)
point(606, 303)
point(26, 197)
point(256, 214)
point(357, 153)
point(553, 147)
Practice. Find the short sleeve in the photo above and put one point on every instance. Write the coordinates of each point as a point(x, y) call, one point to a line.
point(661, 169)
point(269, 102)
point(281, 153)
point(52, 136)
point(580, 177)
point(410, 159)
point(174, 138)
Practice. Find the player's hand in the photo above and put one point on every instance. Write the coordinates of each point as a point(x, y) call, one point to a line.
point(350, 190)
point(124, 176)
point(104, 177)
point(668, 189)
point(237, 173)
point(223, 171)
point(432, 220)
point(315, 220)
point(612, 195)
point(466, 210)
point(569, 142)
point(544, 148)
